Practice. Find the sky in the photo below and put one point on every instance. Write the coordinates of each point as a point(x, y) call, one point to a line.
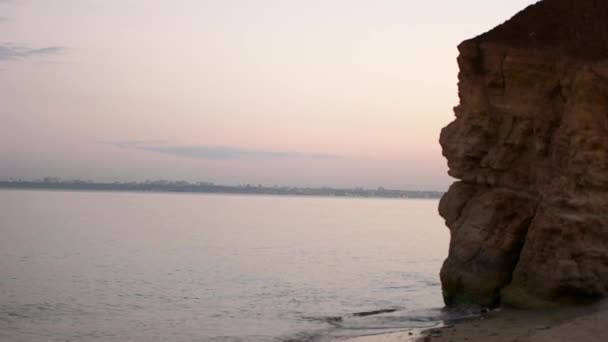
point(341, 93)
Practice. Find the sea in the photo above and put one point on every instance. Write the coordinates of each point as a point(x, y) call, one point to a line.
point(120, 266)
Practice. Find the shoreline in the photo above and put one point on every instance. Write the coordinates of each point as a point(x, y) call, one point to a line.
point(584, 323)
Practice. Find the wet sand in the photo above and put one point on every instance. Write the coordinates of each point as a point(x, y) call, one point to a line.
point(572, 324)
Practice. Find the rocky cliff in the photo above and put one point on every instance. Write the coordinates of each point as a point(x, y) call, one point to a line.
point(529, 145)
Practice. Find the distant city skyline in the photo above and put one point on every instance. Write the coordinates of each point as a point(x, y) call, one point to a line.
point(300, 93)
point(54, 183)
point(56, 179)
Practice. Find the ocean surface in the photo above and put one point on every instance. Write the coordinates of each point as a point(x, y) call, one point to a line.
point(109, 266)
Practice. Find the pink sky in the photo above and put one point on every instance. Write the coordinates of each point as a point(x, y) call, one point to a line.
point(306, 92)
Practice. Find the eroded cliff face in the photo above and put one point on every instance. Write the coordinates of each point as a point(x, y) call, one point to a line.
point(529, 216)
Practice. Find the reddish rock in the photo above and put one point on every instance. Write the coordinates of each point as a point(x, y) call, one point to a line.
point(529, 145)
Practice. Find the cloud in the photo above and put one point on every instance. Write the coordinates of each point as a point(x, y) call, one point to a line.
point(219, 152)
point(3, 18)
point(16, 52)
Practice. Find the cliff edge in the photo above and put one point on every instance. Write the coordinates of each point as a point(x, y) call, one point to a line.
point(529, 215)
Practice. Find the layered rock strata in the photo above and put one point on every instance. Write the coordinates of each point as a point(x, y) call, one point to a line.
point(529, 215)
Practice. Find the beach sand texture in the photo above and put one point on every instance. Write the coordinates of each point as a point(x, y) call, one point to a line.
point(556, 325)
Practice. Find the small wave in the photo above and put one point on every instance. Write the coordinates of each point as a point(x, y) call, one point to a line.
point(307, 337)
point(335, 320)
point(373, 313)
point(382, 321)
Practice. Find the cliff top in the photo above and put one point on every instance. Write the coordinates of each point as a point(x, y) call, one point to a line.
point(577, 27)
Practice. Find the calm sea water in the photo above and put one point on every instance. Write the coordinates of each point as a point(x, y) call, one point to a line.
point(86, 266)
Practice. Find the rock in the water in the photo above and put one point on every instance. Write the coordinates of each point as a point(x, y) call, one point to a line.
point(529, 216)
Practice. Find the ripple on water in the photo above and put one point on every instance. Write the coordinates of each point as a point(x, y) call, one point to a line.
point(139, 267)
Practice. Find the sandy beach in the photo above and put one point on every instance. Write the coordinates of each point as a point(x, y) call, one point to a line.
point(570, 324)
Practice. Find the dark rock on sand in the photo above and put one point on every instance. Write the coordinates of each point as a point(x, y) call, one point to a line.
point(529, 215)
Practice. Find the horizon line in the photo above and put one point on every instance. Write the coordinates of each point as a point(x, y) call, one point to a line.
point(59, 180)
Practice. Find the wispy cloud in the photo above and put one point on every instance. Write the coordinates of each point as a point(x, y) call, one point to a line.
point(3, 19)
point(15, 52)
point(219, 152)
